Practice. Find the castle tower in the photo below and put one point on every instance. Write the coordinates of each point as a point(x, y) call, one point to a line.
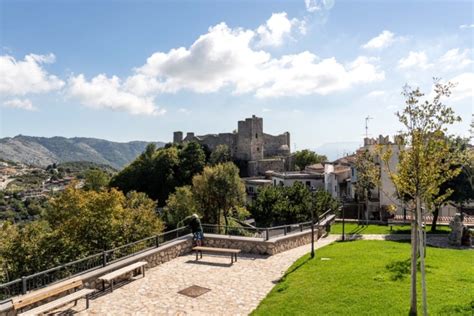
point(250, 139)
point(177, 137)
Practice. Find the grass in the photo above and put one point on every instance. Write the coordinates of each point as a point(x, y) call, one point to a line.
point(353, 228)
point(372, 278)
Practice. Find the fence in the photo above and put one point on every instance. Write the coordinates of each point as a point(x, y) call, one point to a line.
point(98, 260)
point(102, 259)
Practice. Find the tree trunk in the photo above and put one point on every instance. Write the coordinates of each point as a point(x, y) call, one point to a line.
point(226, 220)
point(414, 256)
point(421, 246)
point(367, 211)
point(435, 218)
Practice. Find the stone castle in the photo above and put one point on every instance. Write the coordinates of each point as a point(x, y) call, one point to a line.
point(260, 151)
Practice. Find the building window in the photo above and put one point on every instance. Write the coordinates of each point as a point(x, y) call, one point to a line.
point(256, 135)
point(258, 149)
point(274, 182)
point(308, 184)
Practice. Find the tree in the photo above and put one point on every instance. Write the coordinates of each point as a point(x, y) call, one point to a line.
point(220, 154)
point(179, 205)
point(425, 163)
point(368, 177)
point(192, 160)
point(219, 193)
point(461, 186)
point(307, 157)
point(96, 179)
point(158, 172)
point(277, 205)
point(77, 224)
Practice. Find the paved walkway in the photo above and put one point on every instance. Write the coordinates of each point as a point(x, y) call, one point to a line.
point(235, 290)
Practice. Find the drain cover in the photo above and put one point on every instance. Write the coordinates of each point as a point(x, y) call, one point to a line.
point(194, 291)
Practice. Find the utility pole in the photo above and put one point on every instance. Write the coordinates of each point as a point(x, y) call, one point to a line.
point(367, 125)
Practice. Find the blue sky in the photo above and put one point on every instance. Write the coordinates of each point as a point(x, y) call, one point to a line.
point(139, 70)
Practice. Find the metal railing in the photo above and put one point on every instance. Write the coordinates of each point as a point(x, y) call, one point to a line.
point(44, 278)
point(80, 266)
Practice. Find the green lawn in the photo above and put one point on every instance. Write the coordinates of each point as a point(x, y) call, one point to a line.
point(353, 228)
point(372, 278)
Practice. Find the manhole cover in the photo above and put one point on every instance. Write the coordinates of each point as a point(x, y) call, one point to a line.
point(194, 291)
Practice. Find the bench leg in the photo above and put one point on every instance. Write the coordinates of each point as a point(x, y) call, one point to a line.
point(75, 303)
point(111, 286)
point(197, 255)
point(201, 254)
point(235, 257)
point(103, 285)
point(87, 301)
point(232, 259)
point(143, 271)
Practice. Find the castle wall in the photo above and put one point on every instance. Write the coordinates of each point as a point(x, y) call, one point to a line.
point(259, 167)
point(213, 140)
point(278, 145)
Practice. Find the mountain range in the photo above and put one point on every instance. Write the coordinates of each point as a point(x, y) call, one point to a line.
point(43, 151)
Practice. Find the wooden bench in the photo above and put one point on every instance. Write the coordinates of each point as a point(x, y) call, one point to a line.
point(110, 277)
point(55, 289)
point(233, 252)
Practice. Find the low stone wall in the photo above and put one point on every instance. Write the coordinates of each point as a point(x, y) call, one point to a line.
point(182, 246)
point(262, 247)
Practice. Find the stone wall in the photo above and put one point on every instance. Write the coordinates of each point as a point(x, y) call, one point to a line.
point(261, 166)
point(278, 145)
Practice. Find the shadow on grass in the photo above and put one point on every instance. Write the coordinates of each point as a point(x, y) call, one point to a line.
point(280, 280)
point(401, 269)
point(467, 309)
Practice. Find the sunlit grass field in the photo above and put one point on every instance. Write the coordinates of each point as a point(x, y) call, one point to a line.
point(372, 278)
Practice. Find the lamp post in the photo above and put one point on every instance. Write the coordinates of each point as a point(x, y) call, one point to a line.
point(343, 222)
point(312, 189)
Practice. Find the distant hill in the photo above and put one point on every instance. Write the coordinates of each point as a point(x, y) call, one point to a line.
point(338, 149)
point(43, 151)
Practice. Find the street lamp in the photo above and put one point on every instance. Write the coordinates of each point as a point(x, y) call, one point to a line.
point(343, 222)
point(312, 189)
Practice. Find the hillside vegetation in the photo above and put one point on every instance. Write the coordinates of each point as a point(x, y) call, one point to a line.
point(43, 151)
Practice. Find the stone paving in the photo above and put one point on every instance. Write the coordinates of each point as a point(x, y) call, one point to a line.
point(235, 290)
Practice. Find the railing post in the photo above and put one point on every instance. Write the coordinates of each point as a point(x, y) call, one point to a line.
point(301, 227)
point(284, 230)
point(157, 241)
point(104, 258)
point(267, 235)
point(23, 285)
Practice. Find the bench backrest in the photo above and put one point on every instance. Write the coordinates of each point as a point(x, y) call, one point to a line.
point(39, 295)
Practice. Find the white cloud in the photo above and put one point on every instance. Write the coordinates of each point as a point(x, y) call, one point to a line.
point(305, 74)
point(216, 59)
point(318, 5)
point(383, 40)
point(102, 92)
point(464, 86)
point(455, 59)
point(266, 110)
point(24, 104)
point(226, 58)
point(414, 60)
point(466, 26)
point(274, 31)
point(21, 77)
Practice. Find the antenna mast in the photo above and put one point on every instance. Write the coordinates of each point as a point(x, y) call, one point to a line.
point(367, 125)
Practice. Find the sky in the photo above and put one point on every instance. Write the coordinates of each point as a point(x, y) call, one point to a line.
point(139, 70)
